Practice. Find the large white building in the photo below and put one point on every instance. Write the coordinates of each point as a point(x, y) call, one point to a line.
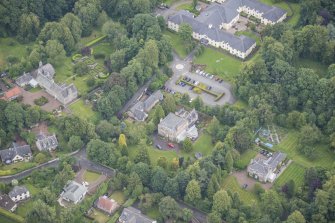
point(210, 25)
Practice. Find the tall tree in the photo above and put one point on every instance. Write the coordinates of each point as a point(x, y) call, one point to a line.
point(29, 27)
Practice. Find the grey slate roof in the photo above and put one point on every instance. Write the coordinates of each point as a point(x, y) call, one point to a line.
point(140, 108)
point(17, 190)
point(216, 14)
point(277, 158)
point(6, 203)
point(259, 167)
point(47, 142)
point(172, 121)
point(7, 155)
point(133, 215)
point(46, 69)
point(24, 79)
point(73, 191)
point(241, 43)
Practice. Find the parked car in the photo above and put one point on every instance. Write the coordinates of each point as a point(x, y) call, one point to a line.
point(211, 77)
point(159, 147)
point(197, 71)
point(170, 145)
point(245, 186)
point(220, 81)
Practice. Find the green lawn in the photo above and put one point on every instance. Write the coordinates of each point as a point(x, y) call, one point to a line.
point(231, 184)
point(99, 216)
point(245, 158)
point(36, 89)
point(324, 157)
point(219, 63)
point(10, 46)
point(84, 111)
point(4, 219)
point(176, 43)
point(293, 172)
point(104, 48)
point(251, 35)
point(204, 144)
point(153, 213)
point(119, 197)
point(24, 208)
point(319, 68)
point(91, 176)
point(169, 2)
point(15, 168)
point(186, 6)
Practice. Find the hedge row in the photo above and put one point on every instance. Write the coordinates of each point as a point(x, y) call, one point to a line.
point(95, 41)
point(11, 215)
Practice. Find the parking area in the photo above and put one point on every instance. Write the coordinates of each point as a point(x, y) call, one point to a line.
point(163, 144)
point(182, 69)
point(29, 97)
point(247, 182)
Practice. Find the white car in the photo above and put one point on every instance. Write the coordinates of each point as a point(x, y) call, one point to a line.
point(212, 76)
point(201, 72)
point(196, 83)
point(197, 71)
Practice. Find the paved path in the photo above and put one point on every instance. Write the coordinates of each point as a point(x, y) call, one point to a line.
point(223, 87)
point(79, 155)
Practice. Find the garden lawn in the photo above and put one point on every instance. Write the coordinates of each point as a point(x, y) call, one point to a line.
point(319, 68)
point(84, 111)
point(177, 43)
point(99, 216)
point(245, 158)
point(186, 6)
point(16, 168)
point(119, 197)
point(36, 89)
point(289, 144)
point(154, 154)
point(9, 46)
point(219, 63)
point(24, 208)
point(104, 48)
point(293, 172)
point(4, 219)
point(153, 213)
point(203, 144)
point(90, 176)
point(231, 184)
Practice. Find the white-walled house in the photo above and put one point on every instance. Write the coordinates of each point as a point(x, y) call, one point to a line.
point(19, 193)
point(240, 46)
point(210, 25)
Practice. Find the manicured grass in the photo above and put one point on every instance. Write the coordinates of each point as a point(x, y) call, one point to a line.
point(293, 172)
point(36, 89)
point(296, 16)
point(15, 168)
point(24, 208)
point(245, 158)
point(119, 197)
point(4, 219)
point(32, 189)
point(84, 111)
point(154, 154)
point(219, 63)
point(10, 46)
point(104, 48)
point(251, 35)
point(169, 2)
point(99, 216)
point(231, 184)
point(319, 68)
point(95, 34)
point(153, 213)
point(186, 6)
point(289, 144)
point(91, 176)
point(203, 144)
point(176, 43)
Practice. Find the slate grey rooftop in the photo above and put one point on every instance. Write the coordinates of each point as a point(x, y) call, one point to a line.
point(133, 215)
point(73, 191)
point(18, 190)
point(172, 121)
point(9, 154)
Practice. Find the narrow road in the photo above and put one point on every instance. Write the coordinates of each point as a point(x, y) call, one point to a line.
point(135, 97)
point(81, 157)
